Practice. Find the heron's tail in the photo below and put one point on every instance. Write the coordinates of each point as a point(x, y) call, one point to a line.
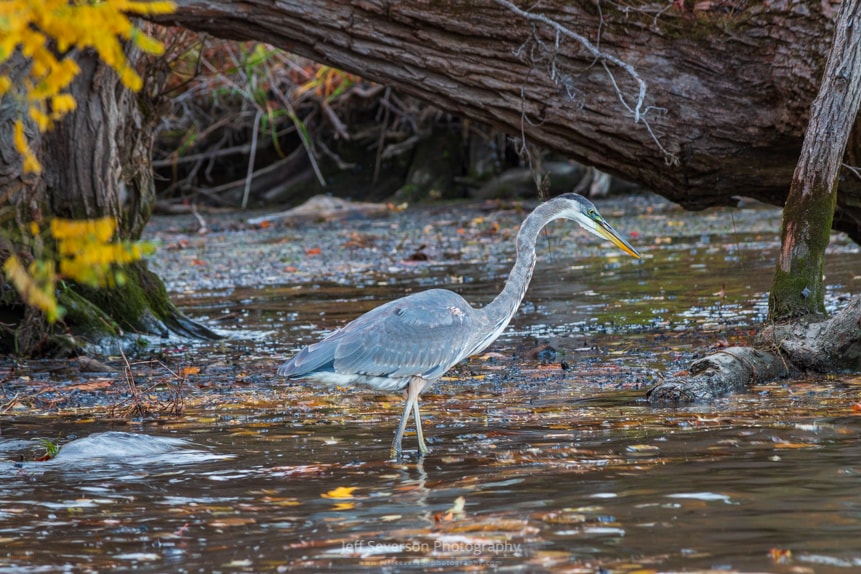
point(315, 358)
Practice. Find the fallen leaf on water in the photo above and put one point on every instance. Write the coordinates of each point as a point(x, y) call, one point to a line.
point(280, 501)
point(780, 555)
point(341, 492)
point(563, 517)
point(186, 371)
point(795, 445)
point(457, 507)
point(344, 505)
point(451, 459)
point(231, 521)
point(455, 510)
point(493, 524)
point(92, 386)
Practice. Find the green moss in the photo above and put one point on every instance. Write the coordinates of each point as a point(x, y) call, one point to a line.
point(129, 304)
point(89, 320)
point(800, 290)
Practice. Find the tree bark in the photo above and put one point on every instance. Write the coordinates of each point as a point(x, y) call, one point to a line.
point(95, 163)
point(728, 85)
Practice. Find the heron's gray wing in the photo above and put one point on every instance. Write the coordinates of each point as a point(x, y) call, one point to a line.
point(423, 334)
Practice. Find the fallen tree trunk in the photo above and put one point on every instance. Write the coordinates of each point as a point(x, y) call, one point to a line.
point(727, 86)
point(825, 346)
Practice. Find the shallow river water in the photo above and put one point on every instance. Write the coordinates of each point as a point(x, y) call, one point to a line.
point(532, 468)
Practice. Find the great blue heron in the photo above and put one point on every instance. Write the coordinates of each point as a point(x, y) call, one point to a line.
point(410, 342)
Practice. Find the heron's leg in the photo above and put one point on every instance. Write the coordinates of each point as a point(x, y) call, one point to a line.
point(413, 391)
point(420, 435)
point(397, 449)
point(420, 385)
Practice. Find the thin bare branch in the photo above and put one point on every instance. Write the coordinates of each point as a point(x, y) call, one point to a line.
point(636, 108)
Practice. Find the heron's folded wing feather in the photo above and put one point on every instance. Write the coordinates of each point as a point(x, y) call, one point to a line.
point(420, 335)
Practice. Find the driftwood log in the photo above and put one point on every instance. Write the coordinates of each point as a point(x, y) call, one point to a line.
point(779, 351)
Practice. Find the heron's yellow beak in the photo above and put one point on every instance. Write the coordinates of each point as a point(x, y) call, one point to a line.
point(606, 231)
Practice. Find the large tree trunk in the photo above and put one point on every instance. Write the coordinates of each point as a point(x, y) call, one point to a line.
point(96, 163)
point(728, 85)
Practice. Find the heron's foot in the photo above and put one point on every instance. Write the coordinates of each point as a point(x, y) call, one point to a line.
point(397, 452)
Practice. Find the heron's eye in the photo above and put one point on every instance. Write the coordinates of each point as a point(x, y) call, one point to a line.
point(592, 213)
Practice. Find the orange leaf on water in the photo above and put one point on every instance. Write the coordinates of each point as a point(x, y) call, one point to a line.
point(780, 555)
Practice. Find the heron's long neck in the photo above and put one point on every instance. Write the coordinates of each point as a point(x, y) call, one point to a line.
point(500, 311)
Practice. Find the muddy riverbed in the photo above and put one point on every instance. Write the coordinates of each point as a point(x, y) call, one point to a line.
point(197, 458)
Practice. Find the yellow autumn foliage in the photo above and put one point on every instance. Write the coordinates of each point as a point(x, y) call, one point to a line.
point(85, 253)
point(44, 30)
point(35, 285)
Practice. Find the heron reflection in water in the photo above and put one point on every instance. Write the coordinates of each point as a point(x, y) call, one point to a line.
point(410, 342)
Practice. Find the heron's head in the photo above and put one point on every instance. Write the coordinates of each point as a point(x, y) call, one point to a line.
point(578, 208)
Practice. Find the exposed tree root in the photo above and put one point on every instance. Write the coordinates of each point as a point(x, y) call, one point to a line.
point(826, 346)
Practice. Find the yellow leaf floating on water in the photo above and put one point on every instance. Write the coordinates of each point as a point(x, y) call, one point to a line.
point(344, 505)
point(342, 492)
